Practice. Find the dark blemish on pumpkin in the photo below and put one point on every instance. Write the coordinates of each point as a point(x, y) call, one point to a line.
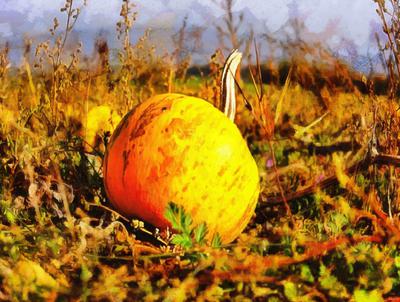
point(169, 101)
point(185, 150)
point(237, 171)
point(194, 211)
point(204, 196)
point(164, 108)
point(243, 178)
point(153, 174)
point(165, 98)
point(138, 132)
point(168, 160)
point(177, 122)
point(185, 188)
point(144, 120)
point(122, 125)
point(222, 212)
point(222, 170)
point(234, 182)
point(125, 158)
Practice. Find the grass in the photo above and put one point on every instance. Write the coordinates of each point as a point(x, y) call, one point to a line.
point(61, 240)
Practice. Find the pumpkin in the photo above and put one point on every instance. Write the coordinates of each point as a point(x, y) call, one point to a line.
point(178, 148)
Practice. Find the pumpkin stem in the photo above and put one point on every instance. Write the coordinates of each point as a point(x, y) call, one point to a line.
point(228, 97)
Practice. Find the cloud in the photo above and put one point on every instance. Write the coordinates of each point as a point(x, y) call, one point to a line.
point(352, 18)
point(274, 13)
point(5, 30)
point(33, 10)
point(349, 19)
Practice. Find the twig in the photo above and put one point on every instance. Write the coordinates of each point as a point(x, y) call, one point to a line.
point(326, 149)
point(313, 250)
point(131, 222)
point(380, 159)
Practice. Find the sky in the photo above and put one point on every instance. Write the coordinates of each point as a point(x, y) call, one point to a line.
point(331, 20)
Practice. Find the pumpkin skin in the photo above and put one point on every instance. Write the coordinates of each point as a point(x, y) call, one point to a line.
point(182, 149)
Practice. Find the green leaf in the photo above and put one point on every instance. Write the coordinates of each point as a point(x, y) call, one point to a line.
point(330, 283)
point(178, 218)
point(86, 274)
point(306, 273)
point(183, 240)
point(200, 233)
point(361, 295)
point(397, 261)
point(188, 235)
point(291, 291)
point(7, 212)
point(171, 214)
point(186, 222)
point(216, 241)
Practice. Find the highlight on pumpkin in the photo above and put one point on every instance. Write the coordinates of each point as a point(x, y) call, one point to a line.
point(178, 148)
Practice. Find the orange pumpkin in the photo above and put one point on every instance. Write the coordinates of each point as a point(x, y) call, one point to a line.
point(182, 149)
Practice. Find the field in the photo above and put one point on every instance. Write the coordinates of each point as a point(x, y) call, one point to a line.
point(324, 137)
